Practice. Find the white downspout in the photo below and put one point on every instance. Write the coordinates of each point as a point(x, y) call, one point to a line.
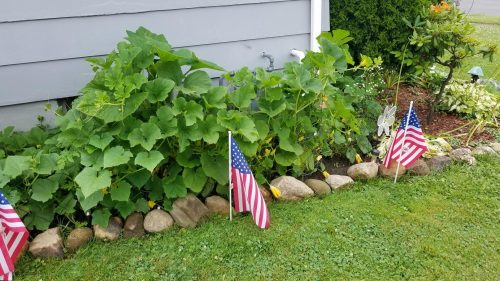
point(316, 7)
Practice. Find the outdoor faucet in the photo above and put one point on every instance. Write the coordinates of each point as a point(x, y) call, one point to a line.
point(271, 61)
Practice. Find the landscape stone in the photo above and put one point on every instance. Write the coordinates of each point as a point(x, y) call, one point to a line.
point(266, 194)
point(48, 244)
point(337, 182)
point(217, 205)
point(112, 232)
point(363, 171)
point(291, 188)
point(157, 221)
point(463, 155)
point(391, 171)
point(419, 168)
point(483, 150)
point(319, 187)
point(77, 238)
point(189, 211)
point(438, 163)
point(495, 146)
point(134, 226)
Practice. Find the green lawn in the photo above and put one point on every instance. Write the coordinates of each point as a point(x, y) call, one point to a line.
point(444, 226)
point(488, 32)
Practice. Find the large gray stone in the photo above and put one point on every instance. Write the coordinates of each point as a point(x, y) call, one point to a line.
point(217, 205)
point(291, 188)
point(157, 221)
point(419, 168)
point(188, 211)
point(337, 182)
point(495, 146)
point(438, 163)
point(77, 238)
point(363, 171)
point(319, 187)
point(483, 150)
point(391, 171)
point(48, 244)
point(463, 155)
point(134, 226)
point(112, 232)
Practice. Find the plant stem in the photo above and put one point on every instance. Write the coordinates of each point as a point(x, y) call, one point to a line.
point(439, 97)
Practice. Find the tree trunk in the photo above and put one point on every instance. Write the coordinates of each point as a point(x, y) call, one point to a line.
point(439, 96)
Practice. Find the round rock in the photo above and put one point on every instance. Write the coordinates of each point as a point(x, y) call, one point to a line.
point(77, 238)
point(391, 171)
point(217, 205)
point(438, 163)
point(48, 244)
point(292, 189)
point(483, 150)
point(337, 182)
point(157, 221)
point(319, 187)
point(495, 146)
point(112, 232)
point(463, 155)
point(189, 211)
point(363, 171)
point(419, 168)
point(134, 226)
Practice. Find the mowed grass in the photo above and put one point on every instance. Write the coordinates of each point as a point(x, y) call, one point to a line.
point(487, 32)
point(440, 227)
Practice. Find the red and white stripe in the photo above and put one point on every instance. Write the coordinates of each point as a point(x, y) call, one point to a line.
point(13, 237)
point(247, 197)
point(414, 141)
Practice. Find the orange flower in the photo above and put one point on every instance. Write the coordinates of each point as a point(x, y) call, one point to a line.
point(436, 9)
point(445, 5)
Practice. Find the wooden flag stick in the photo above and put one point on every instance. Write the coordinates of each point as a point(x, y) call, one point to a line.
point(230, 183)
point(404, 138)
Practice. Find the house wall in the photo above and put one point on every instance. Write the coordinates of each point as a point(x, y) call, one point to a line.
point(44, 43)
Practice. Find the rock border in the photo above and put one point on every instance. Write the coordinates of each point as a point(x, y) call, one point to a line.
point(190, 211)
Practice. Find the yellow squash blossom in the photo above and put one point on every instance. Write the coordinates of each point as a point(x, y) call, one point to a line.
point(275, 191)
point(358, 158)
point(267, 152)
point(326, 174)
point(151, 204)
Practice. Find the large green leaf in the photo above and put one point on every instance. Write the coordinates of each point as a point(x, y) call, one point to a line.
point(190, 110)
point(215, 98)
point(215, 166)
point(141, 205)
point(125, 208)
point(89, 202)
point(146, 136)
point(40, 215)
point(116, 156)
point(187, 160)
point(4, 180)
point(16, 165)
point(243, 96)
point(101, 217)
point(139, 178)
point(210, 129)
point(101, 141)
point(288, 143)
point(197, 82)
point(175, 188)
point(121, 192)
point(159, 89)
point(91, 179)
point(194, 179)
point(300, 79)
point(149, 160)
point(67, 205)
point(155, 187)
point(284, 158)
point(272, 108)
point(170, 70)
point(166, 121)
point(47, 163)
point(43, 189)
point(238, 123)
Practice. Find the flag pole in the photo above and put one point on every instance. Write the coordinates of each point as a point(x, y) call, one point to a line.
point(404, 138)
point(230, 183)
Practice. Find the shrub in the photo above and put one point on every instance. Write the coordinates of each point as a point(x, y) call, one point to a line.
point(471, 100)
point(150, 127)
point(377, 25)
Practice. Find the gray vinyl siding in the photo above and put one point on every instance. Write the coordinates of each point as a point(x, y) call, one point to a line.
point(44, 43)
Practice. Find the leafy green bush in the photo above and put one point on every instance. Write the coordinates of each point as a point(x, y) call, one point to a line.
point(471, 100)
point(150, 127)
point(377, 25)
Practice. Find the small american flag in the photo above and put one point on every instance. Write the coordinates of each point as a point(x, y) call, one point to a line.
point(13, 237)
point(414, 144)
point(246, 193)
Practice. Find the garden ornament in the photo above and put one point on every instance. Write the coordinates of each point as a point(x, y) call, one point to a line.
point(385, 120)
point(476, 72)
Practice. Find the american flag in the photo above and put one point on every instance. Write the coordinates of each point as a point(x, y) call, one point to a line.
point(13, 237)
point(414, 143)
point(246, 192)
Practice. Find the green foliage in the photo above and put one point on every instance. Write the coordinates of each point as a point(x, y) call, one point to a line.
point(150, 126)
point(376, 25)
point(471, 100)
